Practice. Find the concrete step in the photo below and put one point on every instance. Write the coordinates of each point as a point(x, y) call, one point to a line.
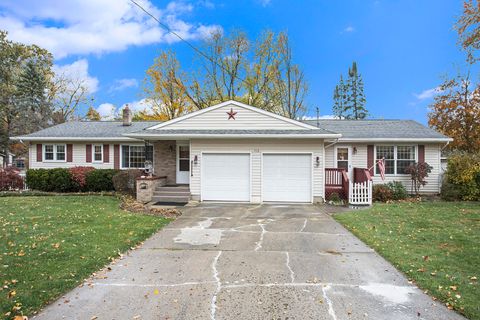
point(171, 199)
point(172, 193)
point(173, 189)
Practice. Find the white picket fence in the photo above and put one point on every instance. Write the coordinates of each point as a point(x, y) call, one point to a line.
point(360, 193)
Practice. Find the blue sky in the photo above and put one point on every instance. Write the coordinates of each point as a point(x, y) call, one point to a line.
point(402, 48)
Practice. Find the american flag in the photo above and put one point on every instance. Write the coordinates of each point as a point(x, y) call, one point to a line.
point(381, 168)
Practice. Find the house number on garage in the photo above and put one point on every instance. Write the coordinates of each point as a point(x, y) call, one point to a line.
point(231, 114)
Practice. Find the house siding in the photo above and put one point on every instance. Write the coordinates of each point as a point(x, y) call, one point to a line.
point(79, 156)
point(359, 160)
point(256, 148)
point(244, 119)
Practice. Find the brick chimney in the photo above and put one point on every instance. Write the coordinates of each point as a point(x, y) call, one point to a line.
point(127, 116)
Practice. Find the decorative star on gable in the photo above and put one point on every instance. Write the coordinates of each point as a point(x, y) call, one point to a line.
point(231, 114)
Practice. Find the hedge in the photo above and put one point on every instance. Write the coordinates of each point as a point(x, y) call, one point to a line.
point(66, 180)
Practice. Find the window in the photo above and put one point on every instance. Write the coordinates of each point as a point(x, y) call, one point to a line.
point(135, 156)
point(54, 152)
point(397, 158)
point(405, 157)
point(97, 153)
point(342, 158)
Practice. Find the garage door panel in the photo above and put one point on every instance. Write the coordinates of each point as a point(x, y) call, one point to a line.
point(287, 177)
point(226, 177)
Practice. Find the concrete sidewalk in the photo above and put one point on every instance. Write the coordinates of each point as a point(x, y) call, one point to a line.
point(222, 261)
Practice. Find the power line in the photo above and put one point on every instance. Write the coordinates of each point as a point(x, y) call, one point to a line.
point(200, 52)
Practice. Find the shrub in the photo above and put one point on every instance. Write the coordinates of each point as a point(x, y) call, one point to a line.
point(334, 197)
point(399, 192)
point(79, 176)
point(125, 181)
point(463, 173)
point(418, 172)
point(60, 180)
point(450, 192)
point(57, 180)
point(100, 180)
point(37, 179)
point(10, 179)
point(382, 193)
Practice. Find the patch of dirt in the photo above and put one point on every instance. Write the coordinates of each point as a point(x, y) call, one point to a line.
point(129, 203)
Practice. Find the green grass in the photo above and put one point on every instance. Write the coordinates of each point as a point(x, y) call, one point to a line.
point(48, 245)
point(436, 244)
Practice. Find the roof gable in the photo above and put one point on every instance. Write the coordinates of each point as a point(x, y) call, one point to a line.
point(231, 115)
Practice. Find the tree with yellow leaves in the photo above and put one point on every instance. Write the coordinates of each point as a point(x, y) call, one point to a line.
point(164, 89)
point(260, 73)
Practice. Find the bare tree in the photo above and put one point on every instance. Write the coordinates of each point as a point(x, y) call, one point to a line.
point(67, 94)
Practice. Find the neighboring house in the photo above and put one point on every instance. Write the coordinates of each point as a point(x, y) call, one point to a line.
point(236, 152)
point(2, 159)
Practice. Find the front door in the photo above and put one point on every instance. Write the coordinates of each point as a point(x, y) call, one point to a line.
point(343, 159)
point(183, 164)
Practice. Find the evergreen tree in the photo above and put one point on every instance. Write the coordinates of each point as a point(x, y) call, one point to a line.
point(355, 108)
point(339, 99)
point(31, 97)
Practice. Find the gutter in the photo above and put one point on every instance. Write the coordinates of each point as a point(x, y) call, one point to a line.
point(27, 138)
point(395, 140)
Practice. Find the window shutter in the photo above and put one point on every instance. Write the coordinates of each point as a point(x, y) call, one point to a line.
point(89, 153)
point(116, 156)
point(39, 153)
point(69, 152)
point(421, 154)
point(106, 153)
point(370, 158)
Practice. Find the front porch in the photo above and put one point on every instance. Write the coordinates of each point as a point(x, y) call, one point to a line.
point(356, 190)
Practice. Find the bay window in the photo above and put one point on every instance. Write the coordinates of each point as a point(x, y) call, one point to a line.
point(54, 152)
point(134, 156)
point(397, 158)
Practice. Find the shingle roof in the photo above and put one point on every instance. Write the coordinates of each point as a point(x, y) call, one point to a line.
point(350, 129)
point(231, 131)
point(91, 129)
point(384, 129)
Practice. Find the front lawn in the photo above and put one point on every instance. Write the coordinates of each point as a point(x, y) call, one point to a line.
point(50, 244)
point(436, 244)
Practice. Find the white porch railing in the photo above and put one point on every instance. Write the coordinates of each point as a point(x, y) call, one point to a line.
point(360, 193)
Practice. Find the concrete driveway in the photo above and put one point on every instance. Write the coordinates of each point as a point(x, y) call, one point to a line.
point(222, 261)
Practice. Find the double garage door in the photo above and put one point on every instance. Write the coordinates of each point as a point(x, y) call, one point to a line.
point(284, 177)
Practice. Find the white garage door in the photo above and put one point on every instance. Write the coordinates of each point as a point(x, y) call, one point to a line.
point(225, 177)
point(287, 177)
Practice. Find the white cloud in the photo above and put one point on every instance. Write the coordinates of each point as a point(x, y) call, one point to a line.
point(427, 94)
point(95, 26)
point(78, 71)
point(349, 29)
point(121, 84)
point(107, 111)
point(136, 106)
point(265, 3)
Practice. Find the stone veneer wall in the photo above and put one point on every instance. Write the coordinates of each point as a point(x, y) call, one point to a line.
point(165, 160)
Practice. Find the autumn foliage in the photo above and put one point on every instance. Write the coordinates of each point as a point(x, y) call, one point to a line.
point(79, 175)
point(456, 113)
point(10, 179)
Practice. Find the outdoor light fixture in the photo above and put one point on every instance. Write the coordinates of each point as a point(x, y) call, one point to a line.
point(354, 150)
point(195, 159)
point(317, 161)
point(171, 148)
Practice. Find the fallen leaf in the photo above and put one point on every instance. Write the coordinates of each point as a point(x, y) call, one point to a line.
point(156, 291)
